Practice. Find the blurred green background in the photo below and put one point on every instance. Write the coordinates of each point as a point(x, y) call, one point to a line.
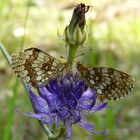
point(113, 28)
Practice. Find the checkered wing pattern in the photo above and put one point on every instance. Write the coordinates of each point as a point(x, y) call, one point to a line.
point(109, 83)
point(35, 67)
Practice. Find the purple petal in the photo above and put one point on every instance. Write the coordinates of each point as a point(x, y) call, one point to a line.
point(99, 107)
point(69, 129)
point(87, 95)
point(38, 103)
point(44, 93)
point(89, 127)
point(56, 121)
point(76, 116)
point(63, 114)
point(87, 101)
point(42, 117)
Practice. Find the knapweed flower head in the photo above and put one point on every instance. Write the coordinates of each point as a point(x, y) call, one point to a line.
point(64, 102)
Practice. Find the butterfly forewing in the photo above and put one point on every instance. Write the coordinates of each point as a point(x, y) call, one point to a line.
point(35, 67)
point(109, 83)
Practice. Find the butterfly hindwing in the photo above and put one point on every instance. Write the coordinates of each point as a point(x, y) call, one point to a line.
point(109, 83)
point(35, 67)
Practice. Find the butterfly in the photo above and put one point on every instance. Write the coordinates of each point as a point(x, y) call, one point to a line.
point(109, 83)
point(36, 68)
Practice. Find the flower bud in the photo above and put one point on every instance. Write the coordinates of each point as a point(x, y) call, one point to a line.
point(74, 33)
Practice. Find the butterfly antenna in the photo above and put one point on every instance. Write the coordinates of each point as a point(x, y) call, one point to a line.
point(62, 57)
point(81, 54)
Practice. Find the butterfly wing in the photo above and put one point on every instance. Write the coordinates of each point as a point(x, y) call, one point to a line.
point(109, 83)
point(35, 67)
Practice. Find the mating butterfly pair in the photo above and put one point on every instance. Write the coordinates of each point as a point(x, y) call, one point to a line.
point(36, 67)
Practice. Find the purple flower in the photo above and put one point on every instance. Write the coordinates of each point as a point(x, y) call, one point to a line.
point(63, 102)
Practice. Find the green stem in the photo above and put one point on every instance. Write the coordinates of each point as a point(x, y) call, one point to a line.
point(5, 53)
point(46, 129)
point(10, 118)
point(58, 135)
point(71, 55)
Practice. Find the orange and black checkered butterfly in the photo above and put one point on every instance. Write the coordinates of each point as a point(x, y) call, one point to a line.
point(35, 67)
point(109, 83)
